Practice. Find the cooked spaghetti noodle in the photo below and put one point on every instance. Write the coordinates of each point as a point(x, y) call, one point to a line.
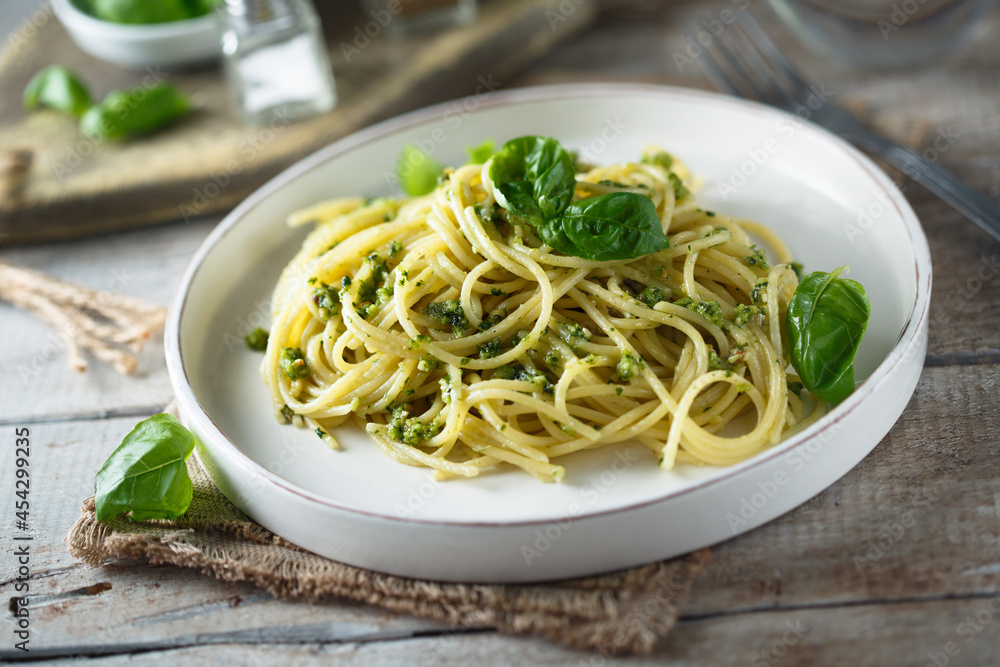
point(447, 330)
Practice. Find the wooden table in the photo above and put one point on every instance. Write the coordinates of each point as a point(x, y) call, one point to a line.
point(897, 563)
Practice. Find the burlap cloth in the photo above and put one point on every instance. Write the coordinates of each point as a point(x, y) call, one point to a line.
point(627, 611)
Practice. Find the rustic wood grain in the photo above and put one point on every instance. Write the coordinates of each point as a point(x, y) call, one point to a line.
point(211, 161)
point(875, 634)
point(37, 381)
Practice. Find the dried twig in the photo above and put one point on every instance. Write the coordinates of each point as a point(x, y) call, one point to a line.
point(88, 319)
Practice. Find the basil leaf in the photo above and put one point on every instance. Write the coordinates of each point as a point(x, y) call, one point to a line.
point(481, 152)
point(533, 178)
point(59, 88)
point(826, 320)
point(141, 11)
point(418, 173)
point(134, 111)
point(614, 226)
point(147, 474)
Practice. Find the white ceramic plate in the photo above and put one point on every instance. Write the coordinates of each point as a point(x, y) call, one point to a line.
point(615, 508)
point(139, 46)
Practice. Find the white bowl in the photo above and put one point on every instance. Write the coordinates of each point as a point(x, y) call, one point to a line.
point(138, 46)
point(614, 509)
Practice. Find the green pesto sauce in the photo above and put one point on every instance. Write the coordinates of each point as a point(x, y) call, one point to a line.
point(710, 310)
point(743, 312)
point(490, 348)
point(409, 430)
point(520, 373)
point(327, 301)
point(293, 364)
point(629, 366)
point(652, 295)
point(256, 340)
point(448, 313)
point(659, 158)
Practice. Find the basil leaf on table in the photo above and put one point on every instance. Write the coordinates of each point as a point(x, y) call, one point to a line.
point(826, 320)
point(533, 178)
point(59, 88)
point(128, 112)
point(613, 226)
point(147, 474)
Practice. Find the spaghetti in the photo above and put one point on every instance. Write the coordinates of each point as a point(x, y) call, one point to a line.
point(447, 330)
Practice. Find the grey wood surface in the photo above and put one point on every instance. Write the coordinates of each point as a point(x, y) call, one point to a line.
point(896, 564)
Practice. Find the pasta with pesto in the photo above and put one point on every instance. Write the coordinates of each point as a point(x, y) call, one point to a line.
point(458, 340)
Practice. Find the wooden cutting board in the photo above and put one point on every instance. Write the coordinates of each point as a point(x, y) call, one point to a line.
point(55, 184)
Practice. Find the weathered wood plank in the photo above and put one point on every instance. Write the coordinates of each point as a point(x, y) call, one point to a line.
point(38, 381)
point(950, 632)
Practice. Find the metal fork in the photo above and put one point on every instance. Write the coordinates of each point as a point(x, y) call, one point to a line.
point(745, 62)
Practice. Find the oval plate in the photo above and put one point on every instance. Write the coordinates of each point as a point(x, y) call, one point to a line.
point(615, 508)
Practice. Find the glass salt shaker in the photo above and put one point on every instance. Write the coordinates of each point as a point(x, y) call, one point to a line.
point(275, 59)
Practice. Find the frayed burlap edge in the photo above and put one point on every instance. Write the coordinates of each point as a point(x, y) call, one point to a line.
point(622, 612)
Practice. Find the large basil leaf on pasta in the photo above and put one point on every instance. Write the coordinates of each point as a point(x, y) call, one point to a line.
point(614, 226)
point(147, 474)
point(533, 178)
point(826, 320)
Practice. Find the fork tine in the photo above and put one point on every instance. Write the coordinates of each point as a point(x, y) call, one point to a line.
point(765, 71)
point(767, 47)
point(716, 74)
point(731, 67)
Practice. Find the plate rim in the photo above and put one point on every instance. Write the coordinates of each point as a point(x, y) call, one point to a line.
point(907, 341)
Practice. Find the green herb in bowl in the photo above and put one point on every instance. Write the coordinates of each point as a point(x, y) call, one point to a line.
point(145, 11)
